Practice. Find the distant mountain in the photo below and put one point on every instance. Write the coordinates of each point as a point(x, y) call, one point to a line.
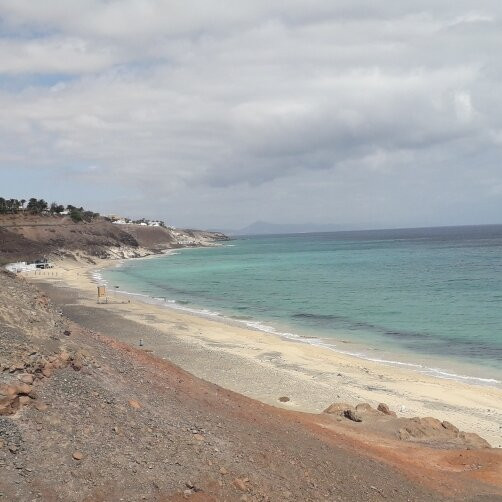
point(263, 227)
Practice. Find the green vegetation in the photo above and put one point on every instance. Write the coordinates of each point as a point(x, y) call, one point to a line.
point(80, 214)
point(77, 214)
point(11, 206)
point(56, 208)
point(36, 206)
point(40, 206)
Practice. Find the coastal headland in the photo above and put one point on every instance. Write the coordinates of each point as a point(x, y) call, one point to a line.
point(133, 400)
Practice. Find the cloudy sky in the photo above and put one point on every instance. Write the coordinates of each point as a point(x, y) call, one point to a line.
point(216, 114)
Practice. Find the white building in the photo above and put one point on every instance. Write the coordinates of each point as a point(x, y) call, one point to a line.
point(20, 266)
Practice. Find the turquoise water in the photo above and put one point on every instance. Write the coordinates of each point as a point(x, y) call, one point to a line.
point(425, 297)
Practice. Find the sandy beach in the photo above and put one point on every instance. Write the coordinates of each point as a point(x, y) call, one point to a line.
point(266, 367)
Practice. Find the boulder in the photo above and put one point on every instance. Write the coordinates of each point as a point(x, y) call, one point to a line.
point(16, 367)
point(47, 371)
point(386, 410)
point(449, 426)
point(57, 364)
point(26, 378)
point(353, 415)
point(338, 409)
point(431, 423)
point(419, 428)
point(473, 441)
point(9, 405)
point(366, 408)
point(8, 391)
point(23, 389)
point(405, 434)
point(432, 431)
point(24, 400)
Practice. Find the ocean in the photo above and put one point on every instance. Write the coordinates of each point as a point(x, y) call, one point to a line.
point(429, 299)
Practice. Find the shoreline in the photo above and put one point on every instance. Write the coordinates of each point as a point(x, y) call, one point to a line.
point(445, 369)
point(266, 366)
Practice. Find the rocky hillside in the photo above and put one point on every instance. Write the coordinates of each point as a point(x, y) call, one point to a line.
point(26, 236)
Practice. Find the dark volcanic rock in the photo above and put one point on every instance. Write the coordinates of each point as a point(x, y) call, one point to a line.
point(353, 415)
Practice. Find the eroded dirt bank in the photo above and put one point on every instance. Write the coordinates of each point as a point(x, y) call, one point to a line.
point(32, 236)
point(101, 420)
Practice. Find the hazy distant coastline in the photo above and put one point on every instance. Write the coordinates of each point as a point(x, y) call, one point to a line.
point(267, 228)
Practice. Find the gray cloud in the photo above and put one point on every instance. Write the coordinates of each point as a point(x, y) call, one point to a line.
point(391, 105)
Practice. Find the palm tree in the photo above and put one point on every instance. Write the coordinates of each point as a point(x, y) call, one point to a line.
point(42, 205)
point(33, 205)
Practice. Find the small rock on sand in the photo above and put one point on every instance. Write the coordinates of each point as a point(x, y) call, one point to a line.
point(134, 404)
point(284, 399)
point(240, 484)
point(47, 371)
point(77, 455)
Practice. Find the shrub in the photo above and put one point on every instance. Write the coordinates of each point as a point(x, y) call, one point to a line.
point(76, 215)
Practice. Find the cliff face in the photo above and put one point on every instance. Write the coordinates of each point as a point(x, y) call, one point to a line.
point(26, 237)
point(159, 238)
